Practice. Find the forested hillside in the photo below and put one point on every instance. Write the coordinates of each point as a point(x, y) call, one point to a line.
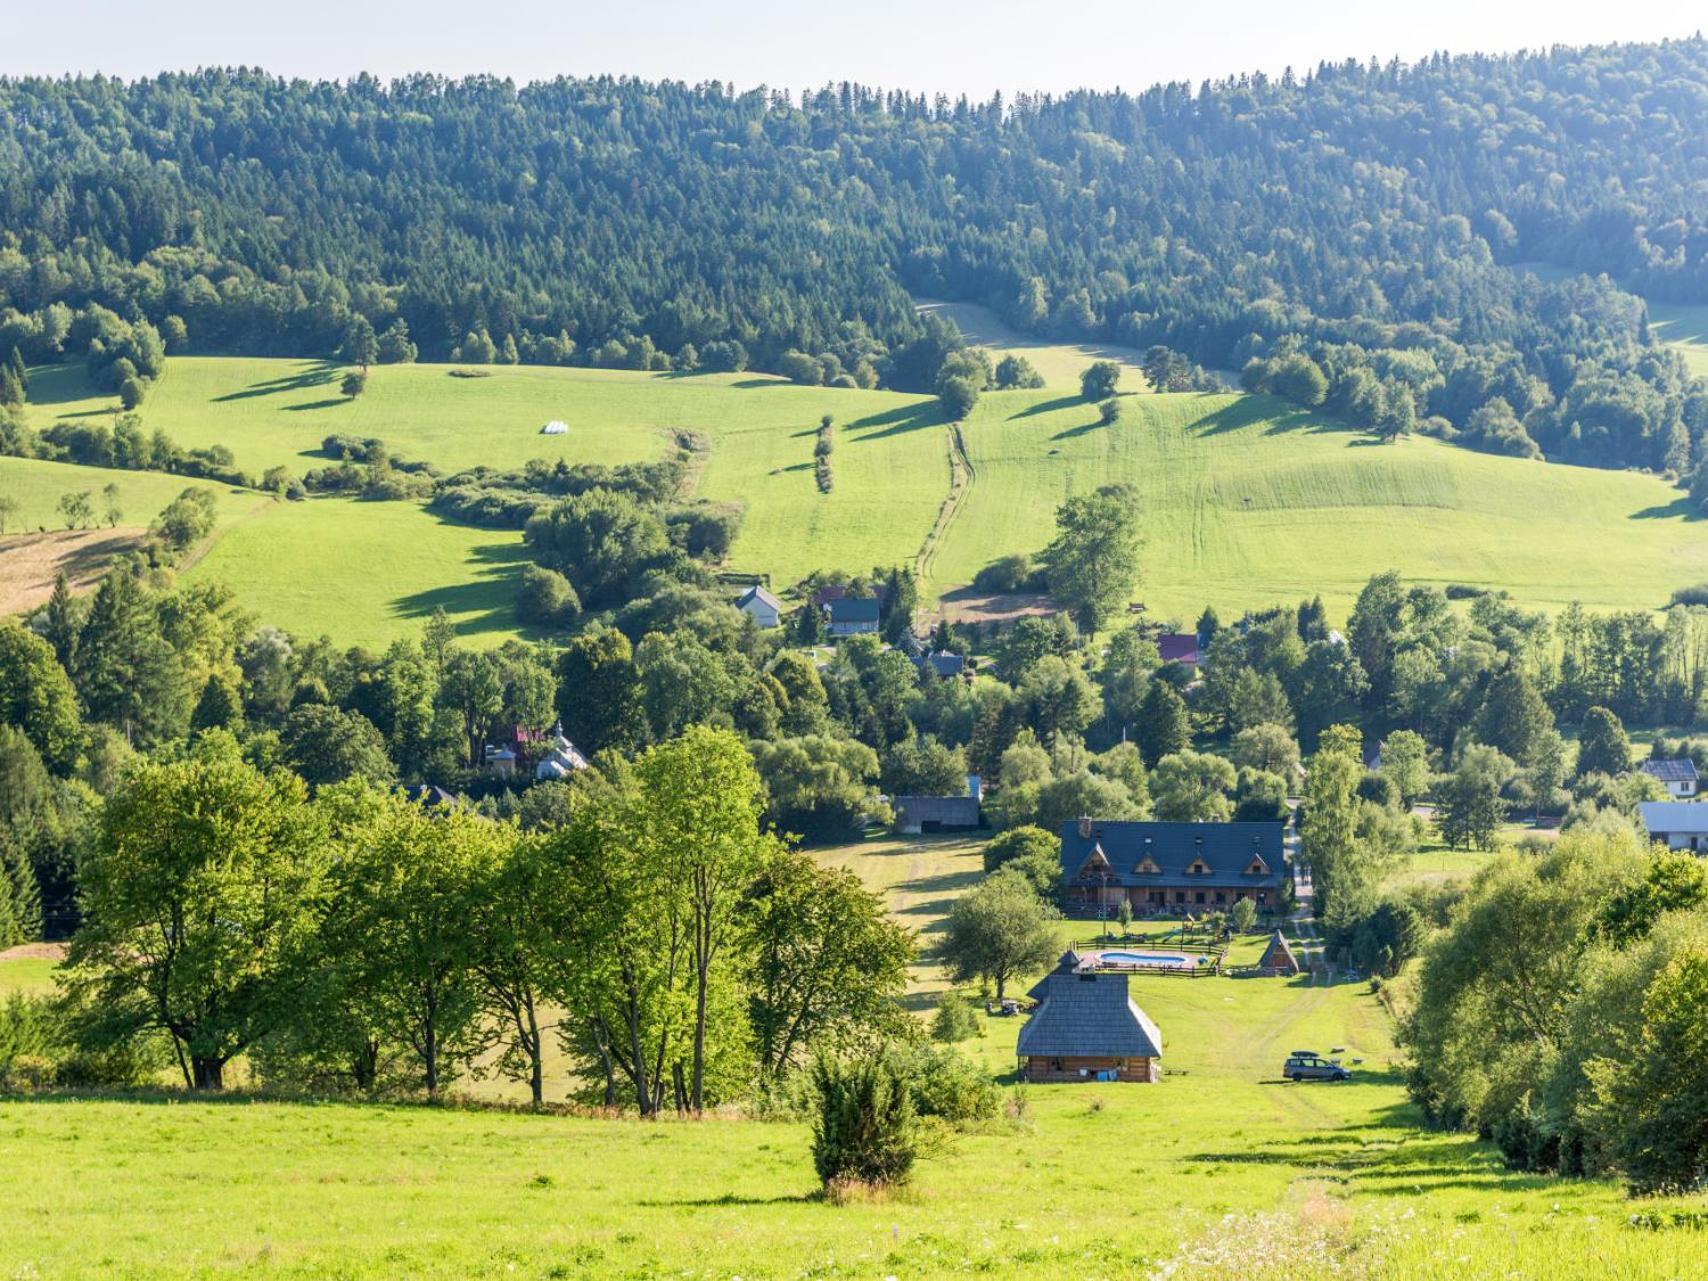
point(1357, 231)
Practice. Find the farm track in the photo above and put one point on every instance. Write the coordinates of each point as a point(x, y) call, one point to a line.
point(962, 476)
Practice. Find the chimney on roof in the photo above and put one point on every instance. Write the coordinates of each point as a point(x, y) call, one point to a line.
point(1085, 828)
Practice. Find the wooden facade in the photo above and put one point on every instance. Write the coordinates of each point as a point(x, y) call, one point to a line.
point(1039, 1068)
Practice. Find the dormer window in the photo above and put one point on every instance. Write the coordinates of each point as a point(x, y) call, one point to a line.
point(1148, 867)
point(1257, 867)
point(1198, 868)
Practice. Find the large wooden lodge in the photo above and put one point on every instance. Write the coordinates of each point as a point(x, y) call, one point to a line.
point(1171, 868)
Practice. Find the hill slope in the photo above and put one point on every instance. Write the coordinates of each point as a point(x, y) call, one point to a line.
point(1245, 501)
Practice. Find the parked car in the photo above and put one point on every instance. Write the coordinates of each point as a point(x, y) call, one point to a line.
point(1302, 1065)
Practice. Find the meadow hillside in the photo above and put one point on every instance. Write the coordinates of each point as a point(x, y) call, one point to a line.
point(1221, 1170)
point(1058, 363)
point(1246, 501)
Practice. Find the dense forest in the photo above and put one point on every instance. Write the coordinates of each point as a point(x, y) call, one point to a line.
point(1357, 237)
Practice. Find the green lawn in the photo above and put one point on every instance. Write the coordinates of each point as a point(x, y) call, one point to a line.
point(1245, 501)
point(1220, 1171)
point(368, 573)
point(1060, 364)
point(1685, 328)
point(38, 485)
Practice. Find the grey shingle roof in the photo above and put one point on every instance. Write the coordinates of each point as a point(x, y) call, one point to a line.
point(1088, 1015)
point(1661, 818)
point(1680, 771)
point(757, 592)
point(854, 609)
point(1226, 848)
point(951, 811)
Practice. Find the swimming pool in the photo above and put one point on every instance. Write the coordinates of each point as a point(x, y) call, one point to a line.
point(1154, 960)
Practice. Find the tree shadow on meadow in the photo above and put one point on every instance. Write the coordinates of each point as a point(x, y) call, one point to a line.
point(317, 373)
point(1680, 508)
point(894, 422)
point(482, 605)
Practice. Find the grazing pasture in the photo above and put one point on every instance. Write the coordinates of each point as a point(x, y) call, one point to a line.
point(1245, 501)
point(1684, 327)
point(1059, 364)
point(1220, 1170)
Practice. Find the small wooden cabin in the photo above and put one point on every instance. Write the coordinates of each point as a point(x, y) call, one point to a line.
point(1085, 1028)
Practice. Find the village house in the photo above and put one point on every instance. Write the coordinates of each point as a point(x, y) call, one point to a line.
point(760, 605)
point(1679, 825)
point(1178, 647)
point(1086, 1027)
point(1174, 868)
point(562, 760)
point(854, 616)
point(917, 814)
point(1678, 777)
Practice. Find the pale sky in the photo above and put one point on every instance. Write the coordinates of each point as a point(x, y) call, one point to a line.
point(914, 44)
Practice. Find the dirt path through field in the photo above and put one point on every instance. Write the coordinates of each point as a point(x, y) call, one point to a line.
point(962, 476)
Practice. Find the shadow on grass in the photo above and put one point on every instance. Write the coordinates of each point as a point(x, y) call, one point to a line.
point(1680, 508)
point(730, 1198)
point(330, 402)
point(58, 384)
point(893, 422)
point(317, 374)
point(486, 604)
point(1082, 430)
point(1049, 407)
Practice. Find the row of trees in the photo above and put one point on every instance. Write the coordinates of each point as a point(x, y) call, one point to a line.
point(353, 939)
point(235, 207)
point(1561, 1011)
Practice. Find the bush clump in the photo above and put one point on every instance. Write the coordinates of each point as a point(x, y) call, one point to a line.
point(865, 1131)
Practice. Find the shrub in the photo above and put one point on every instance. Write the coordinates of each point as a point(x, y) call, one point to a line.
point(954, 1020)
point(949, 1086)
point(1014, 573)
point(545, 598)
point(1695, 595)
point(866, 1131)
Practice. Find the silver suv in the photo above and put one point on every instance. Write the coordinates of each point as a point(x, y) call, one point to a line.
point(1306, 1065)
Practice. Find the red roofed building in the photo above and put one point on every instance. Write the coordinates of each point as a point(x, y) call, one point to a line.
point(1178, 647)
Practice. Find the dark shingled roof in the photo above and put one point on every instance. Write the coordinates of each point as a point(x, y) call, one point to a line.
point(1088, 1015)
point(1178, 647)
point(1680, 771)
point(854, 609)
point(1227, 850)
point(950, 811)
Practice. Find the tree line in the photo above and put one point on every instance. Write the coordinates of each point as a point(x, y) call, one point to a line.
point(1369, 245)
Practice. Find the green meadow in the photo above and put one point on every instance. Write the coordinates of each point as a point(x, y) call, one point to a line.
point(1221, 1170)
point(1059, 364)
point(1245, 501)
point(38, 486)
point(1684, 327)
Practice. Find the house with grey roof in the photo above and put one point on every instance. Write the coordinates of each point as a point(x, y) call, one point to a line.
point(1679, 825)
point(1086, 1027)
point(1678, 777)
point(916, 814)
point(760, 605)
point(854, 616)
point(1171, 868)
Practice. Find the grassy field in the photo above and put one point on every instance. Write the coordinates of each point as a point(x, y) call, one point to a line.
point(1245, 502)
point(1221, 1170)
point(1685, 328)
point(1060, 364)
point(368, 573)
